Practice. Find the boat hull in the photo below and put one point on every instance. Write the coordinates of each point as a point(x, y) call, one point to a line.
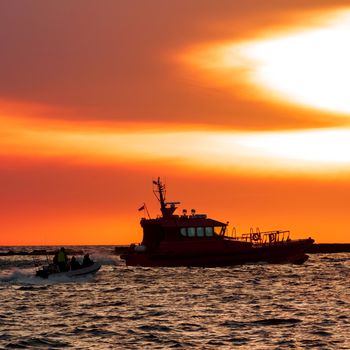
point(45, 273)
point(280, 253)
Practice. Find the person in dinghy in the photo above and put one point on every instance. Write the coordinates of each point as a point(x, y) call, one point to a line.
point(74, 264)
point(62, 260)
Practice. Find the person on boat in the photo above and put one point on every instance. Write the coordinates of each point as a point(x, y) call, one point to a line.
point(62, 260)
point(74, 264)
point(87, 261)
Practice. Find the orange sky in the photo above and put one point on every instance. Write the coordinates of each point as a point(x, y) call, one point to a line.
point(243, 109)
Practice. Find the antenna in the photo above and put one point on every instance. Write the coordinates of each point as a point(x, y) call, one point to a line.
point(160, 193)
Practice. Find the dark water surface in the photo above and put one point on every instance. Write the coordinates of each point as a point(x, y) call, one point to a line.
point(247, 307)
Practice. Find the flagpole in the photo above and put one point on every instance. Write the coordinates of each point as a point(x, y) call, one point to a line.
point(145, 210)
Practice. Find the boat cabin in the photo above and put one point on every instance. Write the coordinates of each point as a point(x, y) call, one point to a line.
point(171, 227)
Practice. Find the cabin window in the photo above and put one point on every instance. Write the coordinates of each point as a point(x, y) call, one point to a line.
point(200, 231)
point(209, 232)
point(191, 232)
point(183, 231)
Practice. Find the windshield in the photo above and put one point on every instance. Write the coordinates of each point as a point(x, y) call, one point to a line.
point(220, 230)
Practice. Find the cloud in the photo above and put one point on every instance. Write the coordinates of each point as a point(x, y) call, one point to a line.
point(115, 60)
point(278, 153)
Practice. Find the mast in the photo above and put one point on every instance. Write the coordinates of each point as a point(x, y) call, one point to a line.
point(160, 192)
point(160, 189)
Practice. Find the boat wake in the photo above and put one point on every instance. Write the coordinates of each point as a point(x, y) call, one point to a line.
point(17, 276)
point(25, 276)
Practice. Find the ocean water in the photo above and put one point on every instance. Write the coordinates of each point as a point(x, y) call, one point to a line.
point(246, 307)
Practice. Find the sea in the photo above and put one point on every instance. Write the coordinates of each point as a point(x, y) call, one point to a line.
point(255, 306)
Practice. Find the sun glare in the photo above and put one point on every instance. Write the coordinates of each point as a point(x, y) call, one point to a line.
point(328, 147)
point(310, 67)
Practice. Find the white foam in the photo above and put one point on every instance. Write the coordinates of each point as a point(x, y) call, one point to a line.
point(26, 276)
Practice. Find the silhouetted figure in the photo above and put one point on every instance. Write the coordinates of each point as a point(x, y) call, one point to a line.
point(62, 260)
point(74, 264)
point(87, 261)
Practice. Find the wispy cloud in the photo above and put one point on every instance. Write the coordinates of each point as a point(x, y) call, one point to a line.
point(309, 151)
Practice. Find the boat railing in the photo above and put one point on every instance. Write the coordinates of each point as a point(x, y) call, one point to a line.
point(233, 234)
point(264, 238)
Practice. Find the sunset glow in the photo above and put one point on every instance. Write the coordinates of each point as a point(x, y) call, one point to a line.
point(232, 152)
point(308, 67)
point(243, 109)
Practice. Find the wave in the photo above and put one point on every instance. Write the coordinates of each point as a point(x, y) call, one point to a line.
point(105, 260)
point(32, 342)
point(25, 277)
point(262, 322)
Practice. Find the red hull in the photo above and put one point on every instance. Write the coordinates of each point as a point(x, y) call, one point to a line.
point(292, 252)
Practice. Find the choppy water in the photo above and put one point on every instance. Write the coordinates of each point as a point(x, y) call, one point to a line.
point(247, 307)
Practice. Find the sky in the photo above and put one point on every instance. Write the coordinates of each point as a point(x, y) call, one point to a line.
point(242, 108)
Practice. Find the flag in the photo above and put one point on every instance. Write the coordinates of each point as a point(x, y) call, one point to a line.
point(142, 208)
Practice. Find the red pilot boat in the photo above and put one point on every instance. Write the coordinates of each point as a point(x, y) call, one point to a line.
point(196, 240)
